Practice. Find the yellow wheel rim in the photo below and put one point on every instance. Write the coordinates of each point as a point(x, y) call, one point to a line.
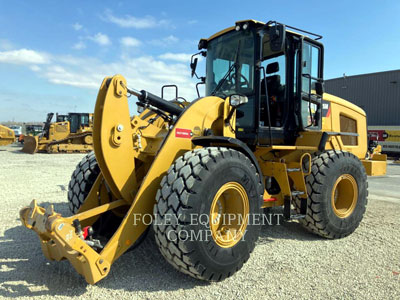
point(344, 196)
point(229, 214)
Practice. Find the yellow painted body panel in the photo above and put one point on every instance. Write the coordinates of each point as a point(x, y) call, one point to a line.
point(7, 136)
point(344, 103)
point(375, 167)
point(340, 107)
point(113, 138)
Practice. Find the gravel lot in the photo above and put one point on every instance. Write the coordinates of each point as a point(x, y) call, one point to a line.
point(288, 262)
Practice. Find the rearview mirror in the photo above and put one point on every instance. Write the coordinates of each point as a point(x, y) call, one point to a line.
point(237, 100)
point(193, 66)
point(319, 88)
point(273, 68)
point(277, 36)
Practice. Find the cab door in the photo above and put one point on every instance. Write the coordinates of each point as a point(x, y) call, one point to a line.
point(74, 122)
point(311, 72)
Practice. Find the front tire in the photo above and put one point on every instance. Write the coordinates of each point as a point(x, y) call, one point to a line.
point(200, 189)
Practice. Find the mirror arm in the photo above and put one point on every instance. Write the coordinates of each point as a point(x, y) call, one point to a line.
point(202, 81)
point(317, 113)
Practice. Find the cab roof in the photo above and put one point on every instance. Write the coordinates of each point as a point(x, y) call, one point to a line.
point(256, 23)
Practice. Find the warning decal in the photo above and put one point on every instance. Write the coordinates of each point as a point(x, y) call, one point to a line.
point(183, 133)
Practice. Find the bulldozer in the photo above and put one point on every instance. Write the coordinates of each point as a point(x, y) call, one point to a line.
point(7, 136)
point(70, 133)
point(197, 175)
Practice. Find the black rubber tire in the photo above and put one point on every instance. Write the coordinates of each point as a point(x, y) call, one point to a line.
point(82, 181)
point(189, 188)
point(320, 219)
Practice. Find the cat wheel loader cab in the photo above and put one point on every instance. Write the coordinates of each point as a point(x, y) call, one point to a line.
point(200, 173)
point(7, 136)
point(70, 133)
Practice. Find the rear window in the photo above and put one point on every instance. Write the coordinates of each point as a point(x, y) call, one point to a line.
point(348, 125)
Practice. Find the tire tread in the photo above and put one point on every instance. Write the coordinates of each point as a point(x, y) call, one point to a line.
point(186, 172)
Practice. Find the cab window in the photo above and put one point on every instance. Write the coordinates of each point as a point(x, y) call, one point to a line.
point(275, 83)
point(310, 69)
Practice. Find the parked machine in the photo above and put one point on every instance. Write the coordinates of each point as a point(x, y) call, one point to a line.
point(31, 130)
point(17, 130)
point(70, 133)
point(388, 137)
point(264, 135)
point(7, 136)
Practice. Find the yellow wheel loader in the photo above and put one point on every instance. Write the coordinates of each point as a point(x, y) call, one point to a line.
point(200, 173)
point(7, 136)
point(70, 133)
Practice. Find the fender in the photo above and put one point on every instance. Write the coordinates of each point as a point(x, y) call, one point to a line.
point(230, 142)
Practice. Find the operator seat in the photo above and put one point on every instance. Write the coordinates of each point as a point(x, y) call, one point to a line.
point(275, 96)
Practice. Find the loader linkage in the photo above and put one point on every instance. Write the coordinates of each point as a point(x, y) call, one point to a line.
point(60, 240)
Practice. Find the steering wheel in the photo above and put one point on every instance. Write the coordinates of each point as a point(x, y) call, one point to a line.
point(242, 84)
point(230, 82)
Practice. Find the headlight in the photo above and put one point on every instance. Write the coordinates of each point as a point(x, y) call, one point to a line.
point(237, 100)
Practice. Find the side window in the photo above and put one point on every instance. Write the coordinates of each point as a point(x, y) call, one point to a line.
point(84, 120)
point(276, 84)
point(310, 73)
point(348, 124)
point(310, 67)
point(74, 123)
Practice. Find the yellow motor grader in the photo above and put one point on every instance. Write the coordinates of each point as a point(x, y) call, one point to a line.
point(7, 136)
point(264, 135)
point(70, 133)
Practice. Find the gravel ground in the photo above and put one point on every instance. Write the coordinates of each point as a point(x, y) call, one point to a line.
point(287, 262)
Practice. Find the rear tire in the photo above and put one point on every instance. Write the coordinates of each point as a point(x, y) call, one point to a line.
point(337, 194)
point(188, 192)
point(82, 181)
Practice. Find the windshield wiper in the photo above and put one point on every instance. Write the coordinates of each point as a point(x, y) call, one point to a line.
point(235, 65)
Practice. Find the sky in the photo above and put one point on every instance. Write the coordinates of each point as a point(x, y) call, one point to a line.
point(55, 54)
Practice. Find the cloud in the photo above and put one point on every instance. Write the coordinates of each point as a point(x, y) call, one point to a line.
point(191, 22)
point(61, 76)
point(79, 46)
point(23, 56)
point(142, 72)
point(180, 57)
point(165, 42)
point(170, 39)
point(129, 21)
point(77, 26)
point(130, 42)
point(35, 68)
point(101, 39)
